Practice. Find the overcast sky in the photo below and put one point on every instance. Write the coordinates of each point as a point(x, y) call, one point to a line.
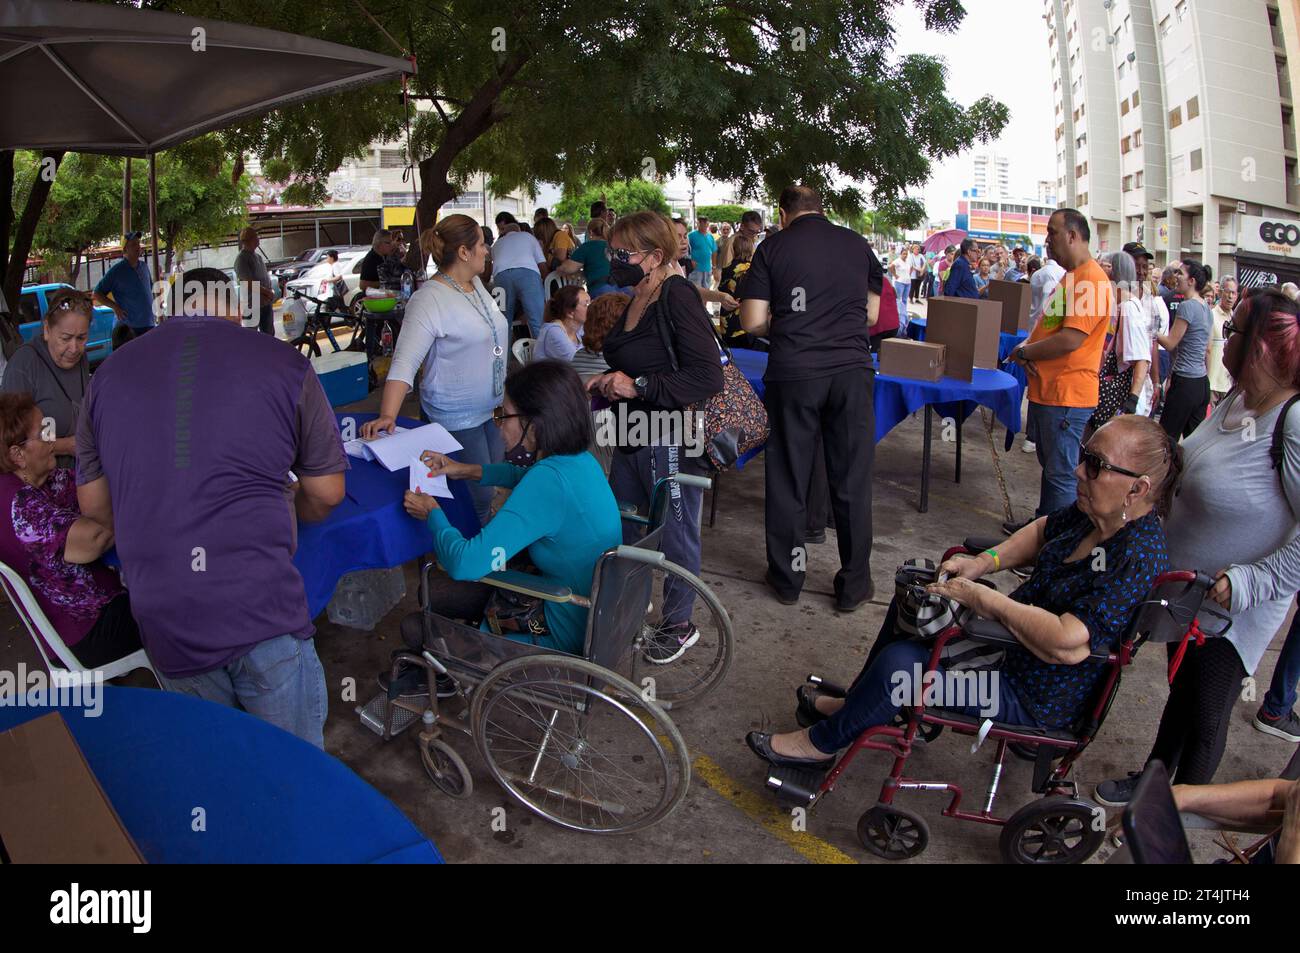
point(1000, 50)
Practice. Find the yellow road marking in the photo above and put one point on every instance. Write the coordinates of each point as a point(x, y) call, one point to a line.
point(767, 814)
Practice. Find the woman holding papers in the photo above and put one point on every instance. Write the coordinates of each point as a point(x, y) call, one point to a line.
point(456, 337)
point(561, 510)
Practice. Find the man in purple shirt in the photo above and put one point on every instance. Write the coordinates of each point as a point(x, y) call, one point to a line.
point(185, 447)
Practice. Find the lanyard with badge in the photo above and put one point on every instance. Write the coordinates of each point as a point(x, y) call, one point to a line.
point(498, 352)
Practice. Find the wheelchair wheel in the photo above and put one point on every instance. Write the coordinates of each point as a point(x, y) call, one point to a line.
point(446, 769)
point(893, 833)
point(701, 666)
point(579, 745)
point(1053, 830)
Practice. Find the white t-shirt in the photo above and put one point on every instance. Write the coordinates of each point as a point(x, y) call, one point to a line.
point(1041, 287)
point(1135, 345)
point(901, 268)
point(516, 250)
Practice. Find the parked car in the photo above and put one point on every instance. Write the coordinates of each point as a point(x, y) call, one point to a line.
point(34, 302)
point(286, 270)
point(317, 283)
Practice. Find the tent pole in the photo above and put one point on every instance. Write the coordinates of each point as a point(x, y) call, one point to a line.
point(126, 196)
point(153, 212)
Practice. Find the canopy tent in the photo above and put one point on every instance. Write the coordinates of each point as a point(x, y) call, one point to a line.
point(98, 78)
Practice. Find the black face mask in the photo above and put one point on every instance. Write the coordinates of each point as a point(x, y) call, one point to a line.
point(519, 455)
point(625, 274)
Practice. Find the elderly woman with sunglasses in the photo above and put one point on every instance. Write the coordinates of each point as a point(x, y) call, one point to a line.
point(53, 368)
point(1094, 563)
point(1235, 515)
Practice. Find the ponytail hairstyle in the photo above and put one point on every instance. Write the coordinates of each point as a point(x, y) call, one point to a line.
point(445, 240)
point(562, 302)
point(1200, 275)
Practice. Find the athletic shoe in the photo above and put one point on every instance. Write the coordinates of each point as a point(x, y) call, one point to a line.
point(1117, 793)
point(1287, 727)
point(670, 643)
point(1029, 447)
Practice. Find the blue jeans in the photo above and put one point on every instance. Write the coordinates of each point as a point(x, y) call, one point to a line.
point(1057, 432)
point(1281, 697)
point(280, 680)
point(523, 286)
point(901, 291)
point(482, 446)
point(632, 477)
point(873, 698)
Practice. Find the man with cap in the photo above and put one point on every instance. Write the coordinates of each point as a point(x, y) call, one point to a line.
point(1016, 270)
point(130, 285)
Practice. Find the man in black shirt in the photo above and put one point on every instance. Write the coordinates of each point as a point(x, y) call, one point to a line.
point(380, 246)
point(813, 290)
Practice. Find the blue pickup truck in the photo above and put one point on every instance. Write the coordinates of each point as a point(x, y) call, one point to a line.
point(33, 304)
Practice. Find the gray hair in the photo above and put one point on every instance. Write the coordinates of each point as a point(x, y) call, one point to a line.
point(1123, 271)
point(383, 235)
point(1291, 290)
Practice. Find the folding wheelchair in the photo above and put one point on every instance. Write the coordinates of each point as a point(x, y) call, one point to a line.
point(1058, 828)
point(583, 741)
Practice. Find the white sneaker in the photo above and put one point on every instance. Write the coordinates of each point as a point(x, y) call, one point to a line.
point(1029, 446)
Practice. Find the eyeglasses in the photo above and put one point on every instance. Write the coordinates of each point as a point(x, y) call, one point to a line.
point(622, 255)
point(1229, 329)
point(1093, 465)
point(499, 415)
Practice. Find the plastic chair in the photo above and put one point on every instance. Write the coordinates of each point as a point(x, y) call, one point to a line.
point(522, 349)
point(38, 625)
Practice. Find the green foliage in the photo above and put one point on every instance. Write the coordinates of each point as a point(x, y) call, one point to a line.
point(722, 213)
point(632, 195)
point(762, 93)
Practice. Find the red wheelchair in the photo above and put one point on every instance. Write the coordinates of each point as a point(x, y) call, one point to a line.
point(1058, 828)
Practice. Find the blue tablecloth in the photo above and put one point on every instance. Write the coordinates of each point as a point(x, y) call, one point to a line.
point(897, 397)
point(370, 529)
point(267, 797)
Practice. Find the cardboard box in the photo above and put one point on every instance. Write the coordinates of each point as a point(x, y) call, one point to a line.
point(919, 360)
point(1014, 297)
point(345, 376)
point(52, 810)
point(970, 328)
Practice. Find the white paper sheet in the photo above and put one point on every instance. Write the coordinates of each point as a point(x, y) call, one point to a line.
point(423, 483)
point(395, 451)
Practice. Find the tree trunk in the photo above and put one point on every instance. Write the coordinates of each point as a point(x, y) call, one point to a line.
point(74, 269)
point(16, 266)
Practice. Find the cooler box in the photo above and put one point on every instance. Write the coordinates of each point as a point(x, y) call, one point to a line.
point(344, 375)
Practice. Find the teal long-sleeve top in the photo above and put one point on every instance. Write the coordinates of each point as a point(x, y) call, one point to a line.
point(562, 511)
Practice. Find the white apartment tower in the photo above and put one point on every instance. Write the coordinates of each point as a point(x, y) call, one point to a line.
point(992, 175)
point(1195, 96)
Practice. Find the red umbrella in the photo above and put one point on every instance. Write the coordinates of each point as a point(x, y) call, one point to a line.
point(941, 240)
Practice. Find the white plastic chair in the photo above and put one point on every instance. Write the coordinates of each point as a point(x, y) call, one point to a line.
point(523, 350)
point(38, 626)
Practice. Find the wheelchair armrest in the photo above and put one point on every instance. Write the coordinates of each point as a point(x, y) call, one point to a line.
point(995, 633)
point(530, 585)
point(977, 544)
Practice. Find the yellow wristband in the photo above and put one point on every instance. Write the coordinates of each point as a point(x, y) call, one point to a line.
point(997, 563)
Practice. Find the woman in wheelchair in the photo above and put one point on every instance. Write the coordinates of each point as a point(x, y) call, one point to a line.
point(1094, 563)
point(560, 509)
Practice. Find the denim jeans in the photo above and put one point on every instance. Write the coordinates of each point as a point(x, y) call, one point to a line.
point(523, 286)
point(280, 680)
point(702, 278)
point(632, 477)
point(901, 289)
point(482, 445)
point(1057, 432)
point(1281, 697)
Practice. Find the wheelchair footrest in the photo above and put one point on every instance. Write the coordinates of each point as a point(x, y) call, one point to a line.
point(375, 712)
point(797, 785)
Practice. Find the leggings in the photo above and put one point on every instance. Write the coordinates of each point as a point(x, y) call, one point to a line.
point(1185, 406)
point(1194, 726)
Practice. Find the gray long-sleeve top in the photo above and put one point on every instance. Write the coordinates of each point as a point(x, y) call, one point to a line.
point(1233, 511)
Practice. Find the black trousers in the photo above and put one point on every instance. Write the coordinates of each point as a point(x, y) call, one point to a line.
point(839, 408)
point(1194, 726)
point(114, 635)
point(1185, 405)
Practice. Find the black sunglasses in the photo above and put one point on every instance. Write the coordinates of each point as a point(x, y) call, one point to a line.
point(1229, 329)
point(1093, 465)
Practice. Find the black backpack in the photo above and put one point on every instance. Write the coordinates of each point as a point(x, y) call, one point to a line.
point(1277, 452)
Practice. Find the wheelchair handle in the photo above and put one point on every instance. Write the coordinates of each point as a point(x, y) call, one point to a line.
point(688, 479)
point(635, 553)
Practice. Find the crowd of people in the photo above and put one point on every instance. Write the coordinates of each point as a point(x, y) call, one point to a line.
point(1139, 399)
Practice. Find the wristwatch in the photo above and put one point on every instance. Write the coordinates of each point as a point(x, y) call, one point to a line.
point(1020, 354)
point(640, 384)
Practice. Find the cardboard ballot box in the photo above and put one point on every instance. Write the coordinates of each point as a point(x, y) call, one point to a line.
point(52, 810)
point(1014, 298)
point(919, 360)
point(970, 328)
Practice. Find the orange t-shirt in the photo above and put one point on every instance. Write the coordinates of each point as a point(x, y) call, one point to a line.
point(1083, 300)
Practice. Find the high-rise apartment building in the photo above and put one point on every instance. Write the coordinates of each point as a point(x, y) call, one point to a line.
point(992, 175)
point(1175, 127)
